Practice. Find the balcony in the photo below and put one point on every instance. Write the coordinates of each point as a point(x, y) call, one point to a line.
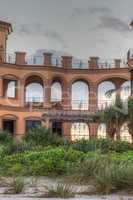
point(57, 61)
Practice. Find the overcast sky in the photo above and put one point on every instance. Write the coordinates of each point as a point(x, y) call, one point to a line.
point(82, 28)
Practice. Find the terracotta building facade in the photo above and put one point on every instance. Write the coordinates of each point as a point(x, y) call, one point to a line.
point(57, 93)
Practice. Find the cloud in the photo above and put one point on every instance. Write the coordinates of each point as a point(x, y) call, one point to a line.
point(77, 12)
point(39, 29)
point(113, 23)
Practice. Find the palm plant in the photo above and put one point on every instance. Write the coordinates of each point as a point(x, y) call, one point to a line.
point(130, 116)
point(113, 116)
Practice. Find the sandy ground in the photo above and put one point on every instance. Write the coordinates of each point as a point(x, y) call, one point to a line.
point(34, 188)
point(112, 197)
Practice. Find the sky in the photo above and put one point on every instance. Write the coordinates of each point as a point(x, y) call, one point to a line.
point(82, 28)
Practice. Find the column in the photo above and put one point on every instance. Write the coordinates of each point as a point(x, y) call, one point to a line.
point(66, 96)
point(93, 62)
point(47, 94)
point(20, 58)
point(67, 62)
point(93, 129)
point(47, 59)
point(67, 130)
point(93, 98)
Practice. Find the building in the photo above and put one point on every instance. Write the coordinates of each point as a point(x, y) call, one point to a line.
point(57, 93)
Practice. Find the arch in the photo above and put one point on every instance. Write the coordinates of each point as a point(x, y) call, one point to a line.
point(111, 77)
point(10, 76)
point(80, 78)
point(103, 99)
point(124, 133)
point(101, 132)
point(31, 74)
point(56, 92)
point(80, 100)
point(79, 131)
point(34, 89)
point(9, 116)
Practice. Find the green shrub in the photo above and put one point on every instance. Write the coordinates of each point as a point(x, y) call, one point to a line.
point(48, 161)
point(103, 145)
point(42, 136)
point(5, 138)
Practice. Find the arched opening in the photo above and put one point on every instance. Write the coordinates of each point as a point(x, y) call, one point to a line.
point(79, 131)
point(106, 94)
point(102, 133)
point(10, 86)
point(124, 134)
point(80, 96)
point(9, 123)
point(56, 92)
point(34, 92)
point(125, 91)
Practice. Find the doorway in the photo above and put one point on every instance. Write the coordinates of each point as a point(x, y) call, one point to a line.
point(57, 127)
point(9, 125)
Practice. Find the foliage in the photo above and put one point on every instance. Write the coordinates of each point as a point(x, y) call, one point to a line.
point(102, 145)
point(48, 161)
point(42, 136)
point(113, 116)
point(5, 138)
point(60, 191)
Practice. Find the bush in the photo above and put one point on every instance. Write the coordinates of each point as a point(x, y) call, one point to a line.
point(48, 161)
point(5, 138)
point(103, 145)
point(42, 136)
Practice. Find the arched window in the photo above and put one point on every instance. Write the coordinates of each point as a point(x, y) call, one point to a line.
point(10, 88)
point(34, 89)
point(125, 90)
point(80, 96)
point(34, 92)
point(106, 94)
point(79, 131)
point(124, 134)
point(56, 92)
point(102, 131)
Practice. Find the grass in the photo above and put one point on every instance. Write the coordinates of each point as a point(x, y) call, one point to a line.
point(60, 191)
point(16, 186)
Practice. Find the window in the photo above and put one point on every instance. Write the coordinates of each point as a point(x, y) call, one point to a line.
point(32, 124)
point(9, 88)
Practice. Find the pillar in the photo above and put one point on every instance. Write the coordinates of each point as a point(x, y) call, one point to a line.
point(47, 93)
point(5, 30)
point(93, 129)
point(93, 98)
point(20, 129)
point(67, 130)
point(117, 63)
point(20, 58)
point(47, 59)
point(67, 62)
point(66, 96)
point(93, 62)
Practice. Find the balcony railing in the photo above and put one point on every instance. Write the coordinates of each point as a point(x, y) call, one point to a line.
point(56, 61)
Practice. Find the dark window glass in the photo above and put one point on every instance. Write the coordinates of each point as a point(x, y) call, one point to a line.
point(32, 124)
